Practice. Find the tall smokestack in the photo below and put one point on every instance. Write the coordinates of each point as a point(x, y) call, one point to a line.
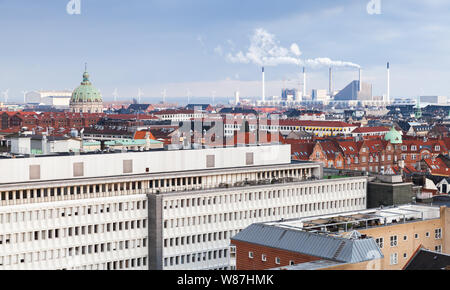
point(304, 82)
point(388, 94)
point(263, 86)
point(360, 79)
point(331, 82)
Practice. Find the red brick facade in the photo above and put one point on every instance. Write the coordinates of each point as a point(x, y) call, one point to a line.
point(375, 155)
point(244, 262)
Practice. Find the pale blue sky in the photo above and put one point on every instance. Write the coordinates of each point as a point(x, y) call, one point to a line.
point(181, 44)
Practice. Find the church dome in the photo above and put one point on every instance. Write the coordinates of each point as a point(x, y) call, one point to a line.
point(86, 92)
point(394, 136)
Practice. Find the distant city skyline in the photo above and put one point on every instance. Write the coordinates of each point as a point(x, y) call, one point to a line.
point(186, 46)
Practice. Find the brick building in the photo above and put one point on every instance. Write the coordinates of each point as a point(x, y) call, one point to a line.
point(383, 239)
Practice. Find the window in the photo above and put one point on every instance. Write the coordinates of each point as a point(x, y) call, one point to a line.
point(380, 242)
point(291, 263)
point(277, 261)
point(438, 234)
point(416, 236)
point(264, 258)
point(438, 248)
point(250, 255)
point(427, 235)
point(394, 259)
point(405, 238)
point(393, 241)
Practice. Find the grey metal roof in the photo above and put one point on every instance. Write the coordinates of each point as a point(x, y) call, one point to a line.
point(313, 244)
point(313, 265)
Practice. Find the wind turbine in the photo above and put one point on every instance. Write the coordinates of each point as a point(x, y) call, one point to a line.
point(115, 95)
point(140, 94)
point(164, 93)
point(24, 96)
point(189, 96)
point(5, 95)
point(214, 97)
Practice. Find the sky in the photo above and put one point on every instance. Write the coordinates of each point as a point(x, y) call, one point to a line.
point(191, 45)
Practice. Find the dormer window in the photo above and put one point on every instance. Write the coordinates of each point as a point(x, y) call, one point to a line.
point(437, 148)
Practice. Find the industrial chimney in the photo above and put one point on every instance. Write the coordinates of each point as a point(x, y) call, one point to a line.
point(236, 97)
point(388, 94)
point(263, 87)
point(360, 79)
point(331, 82)
point(304, 83)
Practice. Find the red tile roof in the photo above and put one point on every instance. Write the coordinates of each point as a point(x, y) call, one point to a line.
point(370, 130)
point(437, 166)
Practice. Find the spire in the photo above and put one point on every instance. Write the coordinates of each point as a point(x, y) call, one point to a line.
point(85, 76)
point(418, 109)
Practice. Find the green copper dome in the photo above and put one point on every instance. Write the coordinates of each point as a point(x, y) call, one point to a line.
point(86, 92)
point(394, 136)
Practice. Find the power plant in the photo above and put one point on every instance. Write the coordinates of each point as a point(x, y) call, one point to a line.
point(356, 91)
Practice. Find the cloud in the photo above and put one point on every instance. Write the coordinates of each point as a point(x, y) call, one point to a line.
point(218, 50)
point(265, 50)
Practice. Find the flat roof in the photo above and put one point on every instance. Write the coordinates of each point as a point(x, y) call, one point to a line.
point(362, 219)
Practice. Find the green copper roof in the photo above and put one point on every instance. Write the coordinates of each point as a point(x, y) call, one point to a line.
point(394, 136)
point(86, 92)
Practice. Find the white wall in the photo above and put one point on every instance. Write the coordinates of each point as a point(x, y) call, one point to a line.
point(104, 165)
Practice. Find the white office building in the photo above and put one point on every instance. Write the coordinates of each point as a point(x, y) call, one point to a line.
point(156, 209)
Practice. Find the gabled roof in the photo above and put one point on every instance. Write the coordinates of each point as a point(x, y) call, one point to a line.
point(330, 149)
point(312, 244)
point(301, 151)
point(437, 166)
point(424, 259)
point(371, 130)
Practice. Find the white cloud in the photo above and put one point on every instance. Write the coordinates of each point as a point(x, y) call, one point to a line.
point(265, 50)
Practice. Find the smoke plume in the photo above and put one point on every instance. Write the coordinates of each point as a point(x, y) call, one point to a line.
point(265, 50)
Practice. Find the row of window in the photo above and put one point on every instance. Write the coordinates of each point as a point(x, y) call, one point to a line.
point(71, 252)
point(110, 187)
point(264, 259)
point(195, 257)
point(71, 232)
point(394, 239)
point(202, 238)
point(260, 213)
point(53, 213)
point(262, 195)
point(414, 148)
point(69, 190)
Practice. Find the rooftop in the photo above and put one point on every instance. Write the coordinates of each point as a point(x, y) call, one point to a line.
point(352, 248)
point(363, 219)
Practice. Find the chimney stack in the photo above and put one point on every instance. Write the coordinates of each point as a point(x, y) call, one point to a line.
point(360, 79)
point(388, 94)
point(263, 86)
point(304, 82)
point(331, 82)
